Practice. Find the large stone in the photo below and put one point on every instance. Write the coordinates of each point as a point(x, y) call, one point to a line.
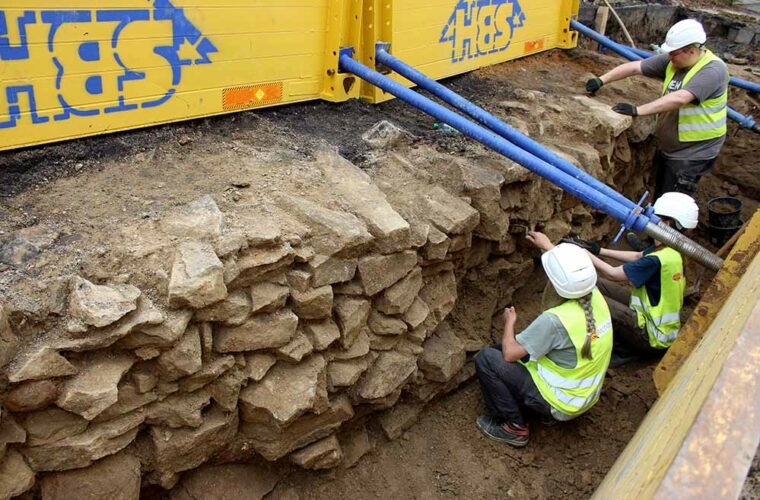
point(10, 432)
point(440, 294)
point(15, 476)
point(101, 305)
point(397, 298)
point(225, 390)
point(256, 264)
point(359, 348)
point(233, 310)
point(95, 387)
point(389, 372)
point(383, 342)
point(177, 450)
point(399, 418)
point(274, 443)
point(179, 410)
point(295, 350)
point(449, 213)
point(417, 313)
point(200, 219)
point(352, 316)
point(145, 315)
point(603, 115)
point(286, 392)
point(328, 270)
point(265, 331)
point(378, 272)
point(332, 231)
point(437, 246)
point(116, 478)
point(161, 335)
point(315, 303)
point(184, 358)
point(268, 297)
point(9, 341)
point(324, 454)
point(27, 243)
point(31, 396)
point(208, 373)
point(260, 229)
point(257, 365)
point(443, 355)
point(345, 373)
point(424, 390)
point(380, 324)
point(197, 278)
point(75, 452)
point(483, 186)
point(248, 481)
point(391, 231)
point(130, 398)
point(51, 425)
point(321, 333)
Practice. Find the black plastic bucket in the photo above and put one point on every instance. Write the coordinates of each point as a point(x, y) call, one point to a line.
point(724, 212)
point(720, 235)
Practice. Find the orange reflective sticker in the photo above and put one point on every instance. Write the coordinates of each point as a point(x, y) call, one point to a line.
point(677, 277)
point(534, 45)
point(251, 96)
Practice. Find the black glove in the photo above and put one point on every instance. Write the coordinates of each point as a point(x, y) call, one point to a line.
point(625, 109)
point(593, 85)
point(591, 246)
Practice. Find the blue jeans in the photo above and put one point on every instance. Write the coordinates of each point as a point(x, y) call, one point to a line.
point(508, 389)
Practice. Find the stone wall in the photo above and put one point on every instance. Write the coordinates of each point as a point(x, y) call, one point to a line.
point(279, 324)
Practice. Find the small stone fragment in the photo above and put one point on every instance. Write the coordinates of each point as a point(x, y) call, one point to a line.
point(101, 305)
point(324, 454)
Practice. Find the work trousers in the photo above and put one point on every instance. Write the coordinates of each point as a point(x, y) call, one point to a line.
point(508, 389)
point(628, 338)
point(678, 175)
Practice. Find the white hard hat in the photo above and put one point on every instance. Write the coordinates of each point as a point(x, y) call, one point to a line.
point(570, 270)
point(678, 206)
point(683, 33)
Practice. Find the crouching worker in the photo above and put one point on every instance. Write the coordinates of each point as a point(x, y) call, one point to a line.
point(645, 293)
point(554, 368)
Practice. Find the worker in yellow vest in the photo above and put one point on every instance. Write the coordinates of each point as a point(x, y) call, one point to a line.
point(692, 111)
point(554, 368)
point(645, 293)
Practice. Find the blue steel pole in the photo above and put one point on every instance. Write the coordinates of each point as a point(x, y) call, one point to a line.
point(632, 219)
point(498, 126)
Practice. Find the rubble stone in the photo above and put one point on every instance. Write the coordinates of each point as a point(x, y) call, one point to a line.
point(144, 380)
point(233, 310)
point(264, 331)
point(249, 481)
point(95, 387)
point(299, 279)
point(116, 477)
point(355, 444)
point(449, 213)
point(31, 396)
point(15, 476)
point(313, 304)
point(416, 314)
point(161, 335)
point(604, 116)
point(208, 373)
point(443, 355)
point(388, 373)
point(380, 324)
point(324, 454)
point(52, 424)
point(129, 399)
point(352, 316)
point(225, 390)
point(197, 278)
point(256, 264)
point(9, 342)
point(101, 305)
point(200, 219)
point(437, 246)
point(359, 348)
point(378, 272)
point(179, 410)
point(397, 298)
point(345, 373)
point(383, 342)
point(384, 134)
point(98, 441)
point(440, 294)
point(257, 365)
point(286, 392)
point(296, 349)
point(268, 297)
point(321, 333)
point(399, 418)
point(184, 358)
point(329, 270)
point(10, 432)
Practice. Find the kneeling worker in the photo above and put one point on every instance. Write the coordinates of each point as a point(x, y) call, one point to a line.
point(554, 368)
point(646, 314)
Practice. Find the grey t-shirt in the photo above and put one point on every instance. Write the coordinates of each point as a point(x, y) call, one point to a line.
point(708, 83)
point(546, 336)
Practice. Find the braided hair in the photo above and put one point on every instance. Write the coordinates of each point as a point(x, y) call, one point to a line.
point(590, 326)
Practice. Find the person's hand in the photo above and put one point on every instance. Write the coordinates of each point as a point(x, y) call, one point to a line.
point(540, 240)
point(510, 316)
point(625, 109)
point(593, 85)
point(591, 246)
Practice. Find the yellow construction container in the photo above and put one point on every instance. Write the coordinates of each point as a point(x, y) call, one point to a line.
point(96, 67)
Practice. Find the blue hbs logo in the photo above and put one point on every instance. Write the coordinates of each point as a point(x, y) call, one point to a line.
point(90, 74)
point(480, 27)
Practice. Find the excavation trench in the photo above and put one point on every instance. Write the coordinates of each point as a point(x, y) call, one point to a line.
point(304, 288)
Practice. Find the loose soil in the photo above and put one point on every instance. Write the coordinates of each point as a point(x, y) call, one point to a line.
point(136, 176)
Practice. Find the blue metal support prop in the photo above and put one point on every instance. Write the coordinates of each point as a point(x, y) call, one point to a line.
point(487, 119)
point(634, 219)
point(634, 54)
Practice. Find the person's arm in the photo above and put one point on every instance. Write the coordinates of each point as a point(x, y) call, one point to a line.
point(620, 255)
point(511, 349)
point(607, 271)
point(540, 240)
point(668, 102)
point(621, 72)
